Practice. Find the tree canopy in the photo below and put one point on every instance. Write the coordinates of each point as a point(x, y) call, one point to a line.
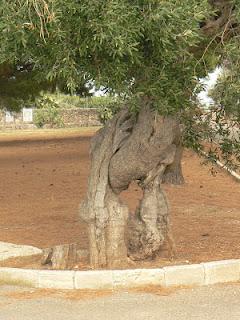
point(153, 48)
point(128, 46)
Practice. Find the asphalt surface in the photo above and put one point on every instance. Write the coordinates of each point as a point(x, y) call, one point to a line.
point(220, 302)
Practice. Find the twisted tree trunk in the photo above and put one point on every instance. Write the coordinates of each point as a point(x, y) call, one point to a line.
point(147, 149)
point(144, 148)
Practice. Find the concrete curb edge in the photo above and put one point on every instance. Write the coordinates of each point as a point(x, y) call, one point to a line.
point(224, 167)
point(181, 275)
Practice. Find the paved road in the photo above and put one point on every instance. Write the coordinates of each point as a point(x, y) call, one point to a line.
point(220, 302)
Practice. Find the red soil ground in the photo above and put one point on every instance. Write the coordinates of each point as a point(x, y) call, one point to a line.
point(44, 177)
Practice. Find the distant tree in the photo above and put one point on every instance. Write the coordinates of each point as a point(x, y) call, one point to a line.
point(152, 53)
point(19, 86)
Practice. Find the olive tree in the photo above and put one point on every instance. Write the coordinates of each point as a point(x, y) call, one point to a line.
point(151, 53)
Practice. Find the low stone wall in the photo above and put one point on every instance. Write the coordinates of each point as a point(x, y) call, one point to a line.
point(75, 117)
point(80, 117)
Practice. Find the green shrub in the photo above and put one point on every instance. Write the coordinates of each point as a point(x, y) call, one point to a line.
point(47, 113)
point(107, 111)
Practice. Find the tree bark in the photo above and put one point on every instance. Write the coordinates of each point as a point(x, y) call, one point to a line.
point(61, 257)
point(143, 148)
point(224, 24)
point(173, 173)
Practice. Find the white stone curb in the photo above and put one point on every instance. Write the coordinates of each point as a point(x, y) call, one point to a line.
point(222, 271)
point(11, 250)
point(231, 172)
point(226, 168)
point(183, 275)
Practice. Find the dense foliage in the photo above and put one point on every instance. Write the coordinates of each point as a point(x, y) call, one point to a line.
point(19, 86)
point(137, 47)
point(227, 91)
point(153, 48)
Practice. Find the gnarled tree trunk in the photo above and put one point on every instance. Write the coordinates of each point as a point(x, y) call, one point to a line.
point(144, 148)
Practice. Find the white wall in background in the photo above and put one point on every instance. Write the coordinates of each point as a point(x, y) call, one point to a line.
point(9, 118)
point(27, 114)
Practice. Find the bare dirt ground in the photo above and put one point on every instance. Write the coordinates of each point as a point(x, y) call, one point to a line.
point(43, 178)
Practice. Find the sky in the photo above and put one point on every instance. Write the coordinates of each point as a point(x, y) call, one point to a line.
point(209, 83)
